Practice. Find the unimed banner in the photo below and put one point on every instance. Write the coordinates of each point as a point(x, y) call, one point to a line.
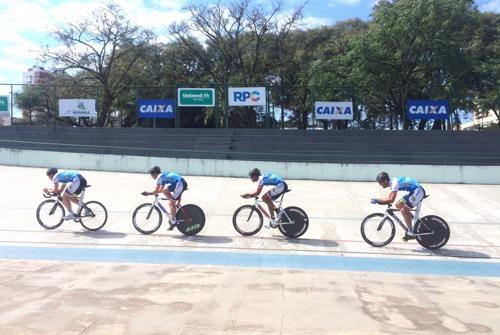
point(333, 110)
point(77, 107)
point(4, 105)
point(156, 109)
point(427, 109)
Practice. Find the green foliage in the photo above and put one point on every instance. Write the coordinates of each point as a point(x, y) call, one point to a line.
point(409, 49)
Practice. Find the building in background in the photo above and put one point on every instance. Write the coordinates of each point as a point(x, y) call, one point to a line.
point(481, 121)
point(36, 75)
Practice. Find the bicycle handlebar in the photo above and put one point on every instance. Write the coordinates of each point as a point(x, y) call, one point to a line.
point(148, 194)
point(50, 195)
point(248, 197)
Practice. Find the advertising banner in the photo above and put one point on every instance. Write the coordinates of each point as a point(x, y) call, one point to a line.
point(196, 97)
point(333, 110)
point(4, 105)
point(427, 109)
point(156, 109)
point(77, 107)
point(246, 96)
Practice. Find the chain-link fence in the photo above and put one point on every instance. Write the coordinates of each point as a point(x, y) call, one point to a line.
point(257, 106)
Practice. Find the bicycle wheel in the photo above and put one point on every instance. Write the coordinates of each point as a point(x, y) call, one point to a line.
point(93, 215)
point(50, 214)
point(146, 218)
point(377, 231)
point(191, 219)
point(435, 232)
point(247, 220)
point(294, 222)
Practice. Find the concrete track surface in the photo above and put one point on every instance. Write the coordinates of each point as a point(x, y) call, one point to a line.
point(117, 281)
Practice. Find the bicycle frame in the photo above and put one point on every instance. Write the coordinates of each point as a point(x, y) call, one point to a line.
point(391, 212)
point(281, 211)
point(158, 204)
point(59, 200)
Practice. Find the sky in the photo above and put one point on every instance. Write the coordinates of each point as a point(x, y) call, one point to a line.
point(25, 25)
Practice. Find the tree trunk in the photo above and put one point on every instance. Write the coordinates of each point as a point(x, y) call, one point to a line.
point(421, 124)
point(438, 125)
point(303, 117)
point(103, 114)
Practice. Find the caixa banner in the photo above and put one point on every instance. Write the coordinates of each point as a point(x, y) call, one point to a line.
point(333, 110)
point(156, 109)
point(427, 109)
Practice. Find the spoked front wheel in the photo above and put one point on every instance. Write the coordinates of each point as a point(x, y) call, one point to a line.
point(377, 230)
point(93, 215)
point(294, 222)
point(191, 219)
point(146, 218)
point(432, 232)
point(247, 220)
point(50, 214)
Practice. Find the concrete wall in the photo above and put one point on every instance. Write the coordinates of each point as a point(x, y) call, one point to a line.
point(240, 168)
point(340, 147)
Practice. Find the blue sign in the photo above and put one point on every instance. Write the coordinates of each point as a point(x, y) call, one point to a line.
point(427, 109)
point(156, 109)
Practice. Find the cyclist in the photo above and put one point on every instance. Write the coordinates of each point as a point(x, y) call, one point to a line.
point(176, 186)
point(73, 184)
point(268, 179)
point(407, 202)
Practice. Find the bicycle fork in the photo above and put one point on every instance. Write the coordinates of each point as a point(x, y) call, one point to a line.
point(53, 209)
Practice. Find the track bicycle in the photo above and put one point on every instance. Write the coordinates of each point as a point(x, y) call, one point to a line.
point(147, 218)
point(291, 221)
point(431, 231)
point(50, 214)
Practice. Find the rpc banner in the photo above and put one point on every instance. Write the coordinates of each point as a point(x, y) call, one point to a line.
point(332, 110)
point(156, 109)
point(77, 107)
point(246, 96)
point(427, 109)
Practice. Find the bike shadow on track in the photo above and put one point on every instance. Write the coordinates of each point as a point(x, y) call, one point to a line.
point(456, 253)
point(313, 242)
point(204, 239)
point(100, 234)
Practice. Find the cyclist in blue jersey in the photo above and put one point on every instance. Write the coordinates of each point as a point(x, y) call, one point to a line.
point(176, 185)
point(268, 179)
point(415, 195)
point(72, 185)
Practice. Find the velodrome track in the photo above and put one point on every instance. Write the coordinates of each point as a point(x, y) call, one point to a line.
point(119, 281)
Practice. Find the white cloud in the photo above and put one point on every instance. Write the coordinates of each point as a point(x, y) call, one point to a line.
point(26, 24)
point(314, 22)
point(492, 6)
point(333, 3)
point(170, 4)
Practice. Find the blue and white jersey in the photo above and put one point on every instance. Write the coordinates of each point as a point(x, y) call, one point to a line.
point(166, 177)
point(404, 184)
point(66, 176)
point(270, 179)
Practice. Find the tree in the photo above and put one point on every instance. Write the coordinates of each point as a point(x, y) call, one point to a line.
point(236, 43)
point(39, 103)
point(413, 49)
point(104, 48)
point(333, 67)
point(485, 85)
